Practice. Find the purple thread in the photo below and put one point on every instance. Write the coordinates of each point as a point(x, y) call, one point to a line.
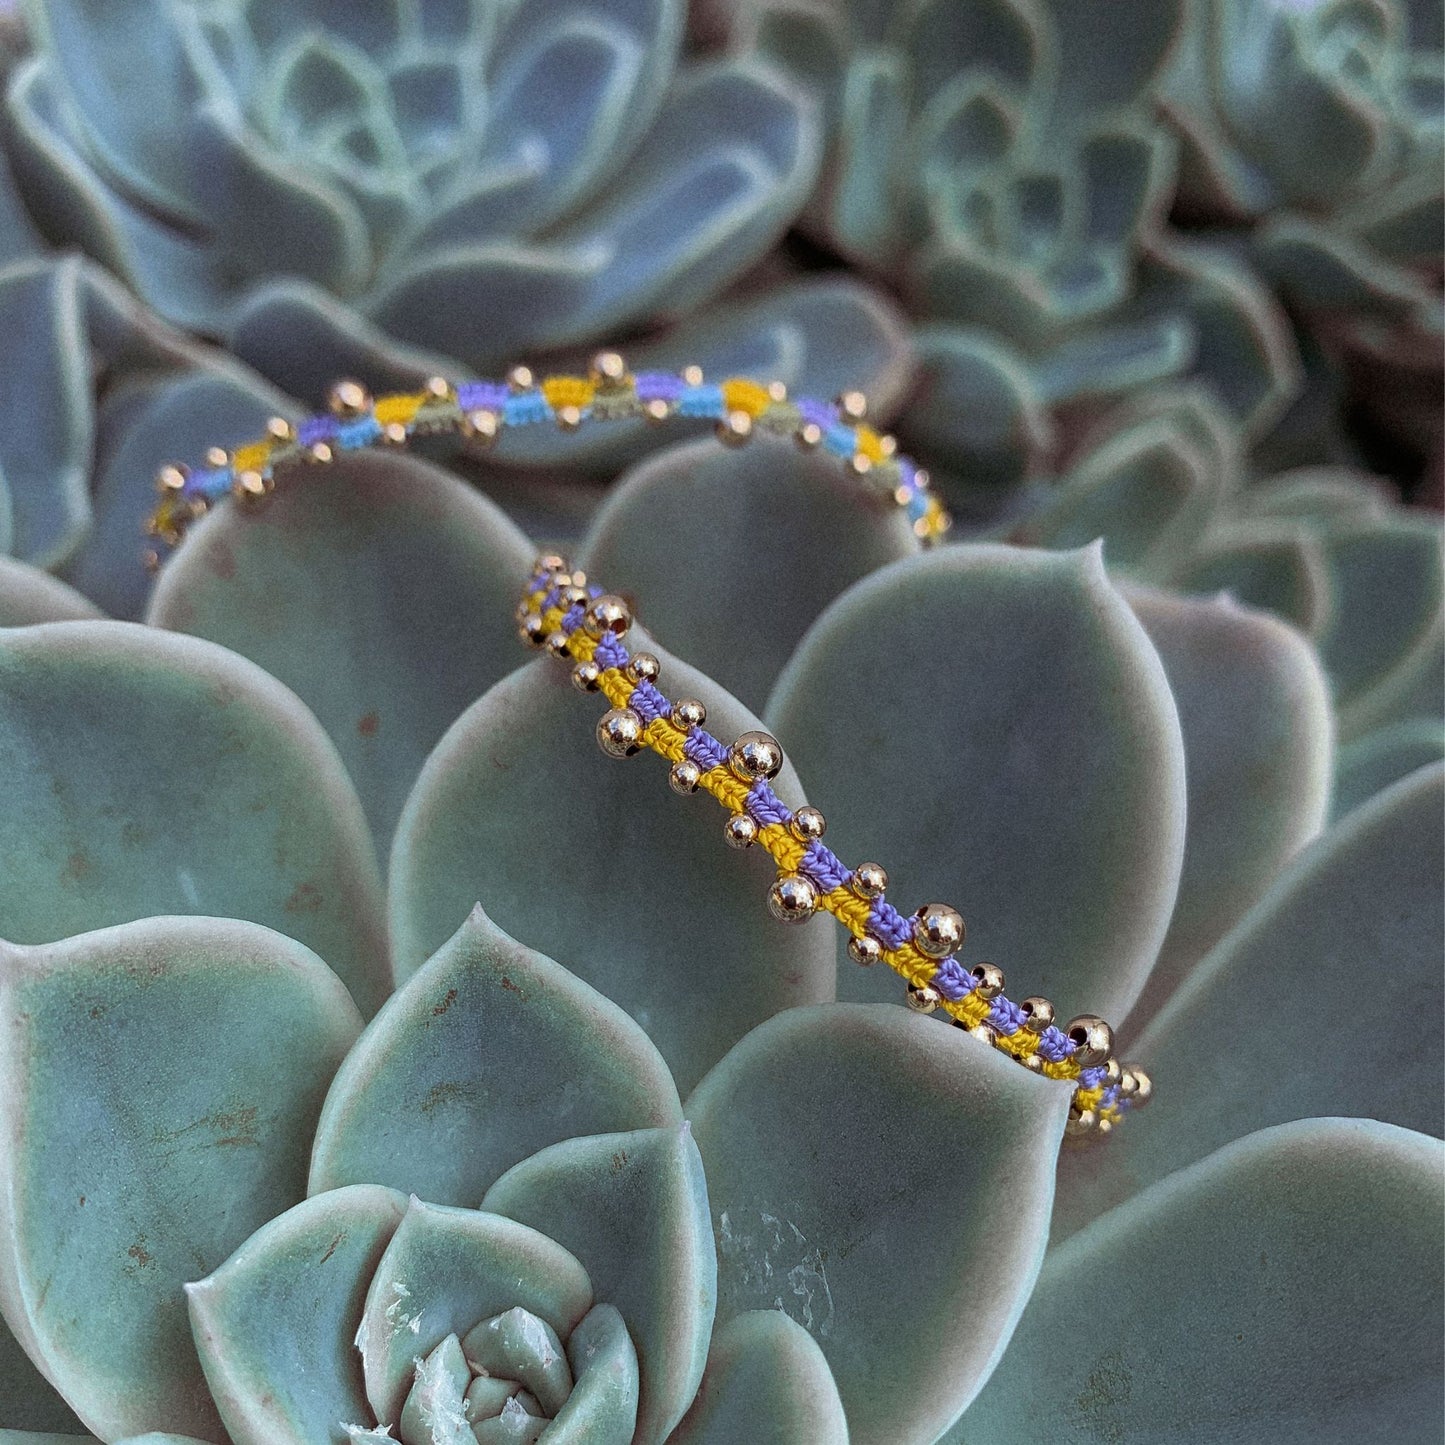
point(316, 429)
point(888, 925)
point(1091, 1078)
point(703, 749)
point(950, 979)
point(821, 866)
point(572, 618)
point(658, 386)
point(610, 652)
point(764, 805)
point(1005, 1017)
point(553, 597)
point(1055, 1045)
point(483, 395)
point(820, 413)
point(1110, 1096)
point(648, 703)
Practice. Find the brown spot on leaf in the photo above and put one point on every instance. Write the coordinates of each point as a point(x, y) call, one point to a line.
point(77, 868)
point(222, 561)
point(331, 1248)
point(445, 1004)
point(142, 1256)
point(368, 724)
point(512, 988)
point(440, 1094)
point(619, 1161)
point(305, 898)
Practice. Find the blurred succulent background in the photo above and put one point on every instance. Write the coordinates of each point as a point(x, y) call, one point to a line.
point(296, 1147)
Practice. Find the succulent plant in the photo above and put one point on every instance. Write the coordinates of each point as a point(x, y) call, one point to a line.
point(1000, 161)
point(393, 190)
point(1319, 126)
point(623, 1118)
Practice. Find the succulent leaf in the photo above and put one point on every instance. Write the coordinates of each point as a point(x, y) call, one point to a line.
point(1372, 763)
point(752, 543)
point(633, 1208)
point(645, 905)
point(28, 595)
point(885, 1180)
point(405, 643)
point(1286, 1287)
point(1046, 762)
point(765, 1377)
point(275, 1325)
point(486, 1054)
point(161, 1081)
point(153, 774)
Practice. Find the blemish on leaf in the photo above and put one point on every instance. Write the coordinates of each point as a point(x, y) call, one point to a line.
point(512, 988)
point(368, 724)
point(142, 1256)
point(445, 1004)
point(619, 1161)
point(445, 1093)
point(305, 898)
point(1096, 1409)
point(332, 1247)
point(77, 867)
point(222, 562)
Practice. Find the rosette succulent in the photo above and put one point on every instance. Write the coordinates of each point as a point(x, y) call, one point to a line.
point(297, 1147)
point(391, 189)
point(1320, 125)
point(1001, 162)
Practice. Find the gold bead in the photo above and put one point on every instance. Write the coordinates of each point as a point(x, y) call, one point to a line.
point(533, 630)
point(853, 405)
point(754, 756)
point(170, 479)
point(1033, 1063)
point(438, 388)
point(864, 950)
point(684, 777)
point(1092, 1038)
point(688, 712)
point(483, 426)
point(987, 980)
point(642, 667)
point(320, 452)
point(151, 560)
point(394, 434)
point(1143, 1086)
point(858, 465)
point(792, 899)
point(550, 562)
point(807, 824)
point(982, 1033)
point(656, 410)
point(735, 428)
point(569, 417)
point(1127, 1084)
point(740, 831)
point(278, 429)
point(1080, 1123)
point(1112, 1072)
point(939, 930)
point(777, 392)
point(572, 596)
point(1038, 1014)
point(692, 375)
point(520, 378)
point(349, 398)
point(249, 486)
point(1104, 1126)
point(869, 881)
point(619, 732)
point(585, 676)
point(888, 445)
point(607, 614)
point(809, 436)
point(557, 643)
point(217, 457)
point(923, 998)
point(608, 366)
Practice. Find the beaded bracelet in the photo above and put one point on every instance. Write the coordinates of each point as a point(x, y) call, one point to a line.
point(577, 622)
point(481, 410)
point(572, 620)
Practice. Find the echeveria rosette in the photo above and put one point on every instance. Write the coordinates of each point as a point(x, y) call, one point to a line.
point(392, 190)
point(1001, 162)
point(870, 1178)
point(1320, 125)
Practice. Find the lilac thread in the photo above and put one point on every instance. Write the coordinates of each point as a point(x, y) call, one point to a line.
point(888, 925)
point(1091, 1078)
point(648, 703)
point(950, 979)
point(821, 866)
point(482, 395)
point(657, 386)
point(1055, 1045)
point(610, 652)
point(703, 749)
point(1005, 1017)
point(572, 618)
point(817, 412)
point(316, 429)
point(764, 805)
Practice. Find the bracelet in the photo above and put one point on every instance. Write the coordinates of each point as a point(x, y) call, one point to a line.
point(561, 613)
point(482, 410)
point(577, 622)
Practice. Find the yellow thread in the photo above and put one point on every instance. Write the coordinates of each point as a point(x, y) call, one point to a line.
point(251, 458)
point(563, 391)
point(399, 408)
point(740, 394)
point(870, 444)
